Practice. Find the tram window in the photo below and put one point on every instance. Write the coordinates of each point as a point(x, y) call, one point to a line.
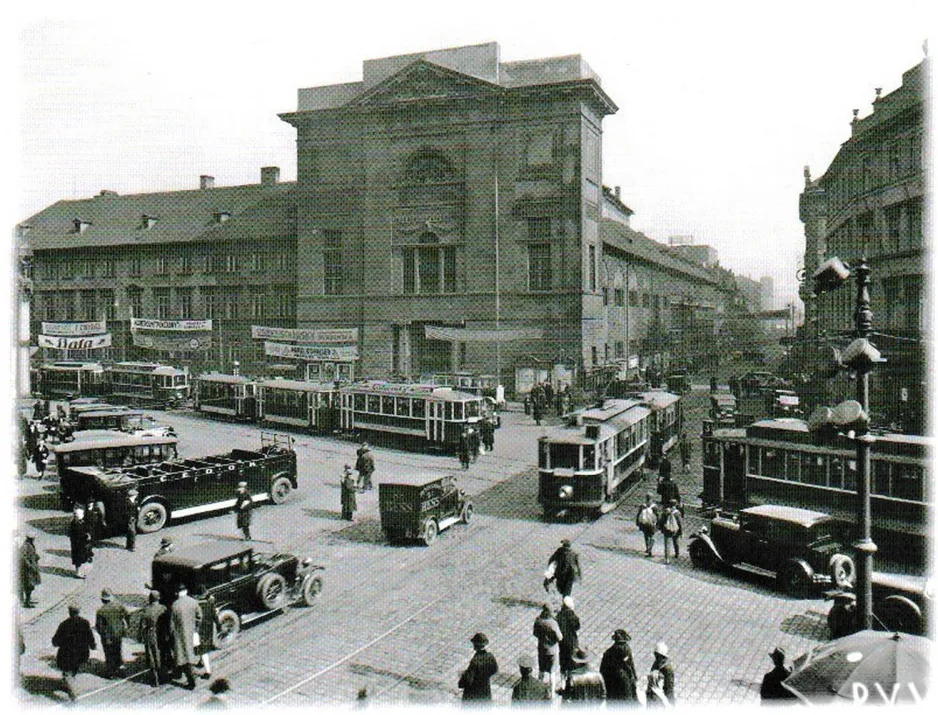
point(402, 406)
point(472, 409)
point(754, 459)
point(836, 472)
point(908, 482)
point(881, 477)
point(387, 405)
point(374, 403)
point(564, 456)
point(418, 408)
point(813, 468)
point(458, 410)
point(773, 463)
point(589, 456)
point(850, 475)
point(792, 466)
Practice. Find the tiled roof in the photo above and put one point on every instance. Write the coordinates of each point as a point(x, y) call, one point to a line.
point(255, 210)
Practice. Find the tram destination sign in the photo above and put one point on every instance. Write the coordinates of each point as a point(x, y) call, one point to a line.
point(91, 327)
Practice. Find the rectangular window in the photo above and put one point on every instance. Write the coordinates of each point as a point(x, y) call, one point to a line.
point(107, 268)
point(88, 307)
point(210, 301)
point(185, 263)
point(231, 263)
point(185, 302)
point(258, 299)
point(538, 228)
point(135, 298)
point(136, 266)
point(539, 275)
point(257, 262)
point(161, 296)
point(107, 307)
point(209, 262)
point(429, 270)
point(633, 298)
point(332, 262)
point(161, 264)
point(285, 307)
point(592, 269)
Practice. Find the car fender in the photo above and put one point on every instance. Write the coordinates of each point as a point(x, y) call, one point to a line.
point(705, 538)
point(284, 473)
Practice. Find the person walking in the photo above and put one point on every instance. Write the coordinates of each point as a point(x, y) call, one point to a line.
point(203, 645)
point(528, 689)
point(671, 526)
point(111, 624)
point(243, 507)
point(131, 513)
point(662, 664)
point(618, 669)
point(584, 686)
point(564, 568)
point(75, 641)
point(569, 624)
point(487, 427)
point(185, 615)
point(475, 680)
point(348, 487)
point(29, 574)
point(537, 410)
point(772, 688)
point(474, 443)
point(667, 488)
point(40, 455)
point(463, 448)
point(148, 633)
point(548, 636)
point(365, 465)
point(647, 522)
point(664, 471)
point(684, 448)
point(80, 542)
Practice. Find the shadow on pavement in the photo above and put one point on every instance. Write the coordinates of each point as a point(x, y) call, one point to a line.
point(747, 684)
point(46, 685)
point(64, 553)
point(323, 514)
point(523, 602)
point(812, 625)
point(56, 525)
point(411, 680)
point(365, 531)
point(514, 498)
point(46, 501)
point(57, 571)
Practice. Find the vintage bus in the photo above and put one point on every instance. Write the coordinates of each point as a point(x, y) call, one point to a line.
point(588, 465)
point(69, 379)
point(232, 396)
point(142, 383)
point(311, 405)
point(779, 461)
point(413, 414)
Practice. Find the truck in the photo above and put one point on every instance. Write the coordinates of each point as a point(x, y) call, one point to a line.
point(419, 507)
point(179, 488)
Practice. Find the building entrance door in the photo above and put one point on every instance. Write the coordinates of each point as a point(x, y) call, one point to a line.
point(430, 356)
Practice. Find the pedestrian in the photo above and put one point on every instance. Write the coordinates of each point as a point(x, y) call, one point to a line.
point(111, 624)
point(584, 685)
point(203, 646)
point(185, 615)
point(536, 411)
point(131, 514)
point(667, 488)
point(772, 688)
point(528, 689)
point(348, 489)
point(618, 669)
point(654, 691)
point(647, 522)
point(97, 524)
point(75, 641)
point(671, 526)
point(487, 427)
point(148, 633)
point(662, 664)
point(564, 568)
point(365, 465)
point(243, 506)
point(29, 574)
point(40, 455)
point(475, 680)
point(80, 541)
point(664, 470)
point(569, 624)
point(548, 394)
point(463, 448)
point(684, 446)
point(166, 546)
point(474, 444)
point(219, 690)
point(548, 636)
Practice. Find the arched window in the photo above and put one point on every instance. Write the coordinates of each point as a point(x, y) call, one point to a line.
point(428, 178)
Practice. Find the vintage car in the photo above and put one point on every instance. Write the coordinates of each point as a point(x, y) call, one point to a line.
point(421, 507)
point(678, 382)
point(900, 603)
point(235, 581)
point(723, 409)
point(802, 548)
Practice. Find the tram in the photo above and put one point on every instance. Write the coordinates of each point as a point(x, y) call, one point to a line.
point(779, 461)
point(424, 415)
point(69, 379)
point(311, 405)
point(588, 465)
point(667, 421)
point(150, 384)
point(231, 396)
point(484, 385)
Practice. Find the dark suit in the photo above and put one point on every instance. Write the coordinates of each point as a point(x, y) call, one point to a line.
point(618, 671)
point(772, 688)
point(566, 570)
point(151, 621)
point(529, 689)
point(75, 641)
point(111, 625)
point(243, 506)
point(475, 680)
point(569, 624)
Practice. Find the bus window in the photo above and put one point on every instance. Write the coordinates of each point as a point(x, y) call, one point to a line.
point(457, 410)
point(755, 466)
point(814, 469)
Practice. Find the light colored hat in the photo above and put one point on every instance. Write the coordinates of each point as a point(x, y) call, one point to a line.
point(581, 656)
point(242, 485)
point(526, 662)
point(661, 648)
point(568, 601)
point(106, 595)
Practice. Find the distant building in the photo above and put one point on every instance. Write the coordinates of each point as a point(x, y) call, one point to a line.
point(702, 255)
point(751, 291)
point(767, 293)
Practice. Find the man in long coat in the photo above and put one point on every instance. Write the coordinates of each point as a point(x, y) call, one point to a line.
point(618, 669)
point(349, 487)
point(111, 624)
point(75, 641)
point(132, 511)
point(548, 636)
point(185, 615)
point(80, 542)
point(148, 633)
point(475, 679)
point(564, 568)
point(365, 464)
point(243, 507)
point(30, 576)
point(569, 624)
point(584, 685)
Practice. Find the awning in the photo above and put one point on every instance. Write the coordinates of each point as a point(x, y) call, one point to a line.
point(470, 335)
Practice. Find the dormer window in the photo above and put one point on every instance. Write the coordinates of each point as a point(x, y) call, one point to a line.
point(221, 216)
point(147, 222)
point(80, 226)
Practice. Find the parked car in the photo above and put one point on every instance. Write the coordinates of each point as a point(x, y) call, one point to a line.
point(802, 548)
point(900, 603)
point(237, 582)
point(421, 507)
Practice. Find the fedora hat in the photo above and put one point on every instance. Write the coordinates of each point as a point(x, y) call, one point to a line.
point(106, 595)
point(479, 639)
point(621, 636)
point(581, 656)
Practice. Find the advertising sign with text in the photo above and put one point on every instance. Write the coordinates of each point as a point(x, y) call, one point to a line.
point(89, 342)
point(312, 336)
point(91, 327)
point(312, 352)
point(174, 325)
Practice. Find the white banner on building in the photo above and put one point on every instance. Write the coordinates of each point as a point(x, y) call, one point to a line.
point(310, 336)
point(89, 342)
point(470, 335)
point(154, 324)
point(92, 327)
point(312, 352)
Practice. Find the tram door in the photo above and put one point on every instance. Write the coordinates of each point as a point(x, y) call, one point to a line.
point(734, 473)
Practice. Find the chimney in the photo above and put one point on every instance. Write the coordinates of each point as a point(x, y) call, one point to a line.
point(618, 192)
point(206, 182)
point(270, 175)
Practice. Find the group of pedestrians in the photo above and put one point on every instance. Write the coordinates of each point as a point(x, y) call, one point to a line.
point(665, 516)
point(36, 434)
point(350, 485)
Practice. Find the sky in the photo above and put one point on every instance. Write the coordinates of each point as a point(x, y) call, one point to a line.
point(721, 104)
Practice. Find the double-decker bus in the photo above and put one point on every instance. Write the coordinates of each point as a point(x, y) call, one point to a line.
point(588, 465)
point(311, 405)
point(69, 379)
point(232, 396)
point(152, 384)
point(779, 461)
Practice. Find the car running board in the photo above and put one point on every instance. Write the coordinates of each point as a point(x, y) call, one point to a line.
point(448, 522)
point(756, 570)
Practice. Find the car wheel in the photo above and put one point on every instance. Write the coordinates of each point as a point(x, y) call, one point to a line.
point(900, 614)
point(795, 578)
point(153, 517)
point(430, 532)
point(280, 490)
point(227, 628)
point(272, 591)
point(466, 513)
point(312, 586)
point(843, 572)
point(700, 554)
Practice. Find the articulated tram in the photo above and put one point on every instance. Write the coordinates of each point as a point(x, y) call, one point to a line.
point(588, 465)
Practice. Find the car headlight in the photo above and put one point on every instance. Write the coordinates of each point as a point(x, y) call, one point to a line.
point(566, 492)
point(704, 530)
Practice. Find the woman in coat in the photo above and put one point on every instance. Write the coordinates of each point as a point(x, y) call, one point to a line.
point(80, 542)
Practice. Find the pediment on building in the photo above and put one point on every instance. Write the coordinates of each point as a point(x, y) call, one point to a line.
point(424, 81)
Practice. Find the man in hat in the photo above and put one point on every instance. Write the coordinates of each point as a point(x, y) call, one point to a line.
point(131, 512)
point(772, 688)
point(349, 487)
point(166, 546)
point(75, 641)
point(243, 507)
point(365, 464)
point(569, 624)
point(647, 522)
point(148, 633)
point(29, 574)
point(548, 636)
point(672, 526)
point(584, 685)
point(185, 615)
point(564, 568)
point(663, 665)
point(528, 689)
point(80, 542)
point(111, 624)
point(475, 679)
point(618, 669)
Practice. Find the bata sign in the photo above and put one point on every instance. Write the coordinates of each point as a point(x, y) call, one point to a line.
point(151, 324)
point(315, 336)
point(312, 352)
point(94, 327)
point(66, 343)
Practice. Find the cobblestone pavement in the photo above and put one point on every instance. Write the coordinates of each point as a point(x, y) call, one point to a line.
point(397, 619)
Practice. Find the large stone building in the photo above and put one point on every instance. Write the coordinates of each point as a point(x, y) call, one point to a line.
point(870, 203)
point(448, 214)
